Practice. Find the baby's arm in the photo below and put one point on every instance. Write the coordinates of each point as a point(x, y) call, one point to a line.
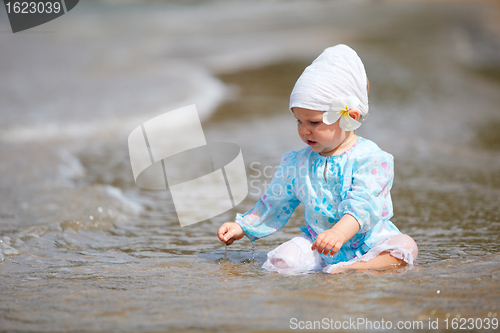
point(273, 209)
point(331, 240)
point(229, 232)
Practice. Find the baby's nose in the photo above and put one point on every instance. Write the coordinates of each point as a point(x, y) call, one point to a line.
point(305, 131)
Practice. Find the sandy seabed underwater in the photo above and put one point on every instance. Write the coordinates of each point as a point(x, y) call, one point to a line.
point(85, 250)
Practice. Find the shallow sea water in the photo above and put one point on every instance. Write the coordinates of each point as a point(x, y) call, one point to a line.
point(85, 250)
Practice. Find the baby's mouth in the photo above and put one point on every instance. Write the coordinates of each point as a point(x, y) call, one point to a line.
point(311, 143)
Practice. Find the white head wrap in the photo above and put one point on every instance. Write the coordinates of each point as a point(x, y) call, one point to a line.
point(337, 72)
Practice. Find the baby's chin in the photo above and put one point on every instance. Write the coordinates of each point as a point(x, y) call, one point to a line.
point(317, 148)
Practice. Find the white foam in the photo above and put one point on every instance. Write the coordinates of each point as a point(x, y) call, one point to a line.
point(184, 84)
point(70, 168)
point(128, 205)
point(6, 249)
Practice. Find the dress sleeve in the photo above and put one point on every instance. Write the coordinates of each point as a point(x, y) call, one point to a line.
point(275, 207)
point(368, 199)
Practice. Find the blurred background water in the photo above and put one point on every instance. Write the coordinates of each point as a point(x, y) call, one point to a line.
point(85, 250)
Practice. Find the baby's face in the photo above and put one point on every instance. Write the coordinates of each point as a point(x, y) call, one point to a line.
point(322, 138)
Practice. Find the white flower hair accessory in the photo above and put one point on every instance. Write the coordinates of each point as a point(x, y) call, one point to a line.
point(341, 108)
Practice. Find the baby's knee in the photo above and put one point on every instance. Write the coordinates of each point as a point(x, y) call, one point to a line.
point(407, 243)
point(279, 263)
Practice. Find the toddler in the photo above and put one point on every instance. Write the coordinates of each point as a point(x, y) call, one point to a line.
point(342, 179)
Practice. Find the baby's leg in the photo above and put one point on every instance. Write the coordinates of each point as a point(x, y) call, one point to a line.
point(382, 261)
point(294, 256)
point(399, 250)
point(284, 256)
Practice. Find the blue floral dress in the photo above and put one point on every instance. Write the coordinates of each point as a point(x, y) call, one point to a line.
point(356, 182)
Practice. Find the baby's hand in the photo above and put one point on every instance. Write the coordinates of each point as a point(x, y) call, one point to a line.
point(229, 232)
point(329, 241)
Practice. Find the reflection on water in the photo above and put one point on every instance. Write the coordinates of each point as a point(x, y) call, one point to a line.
point(89, 251)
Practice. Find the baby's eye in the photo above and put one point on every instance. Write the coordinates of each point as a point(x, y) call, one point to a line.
point(299, 121)
point(315, 122)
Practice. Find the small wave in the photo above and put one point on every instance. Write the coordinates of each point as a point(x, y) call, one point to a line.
point(173, 85)
point(6, 249)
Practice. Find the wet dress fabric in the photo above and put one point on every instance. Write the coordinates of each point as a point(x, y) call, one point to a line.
point(357, 183)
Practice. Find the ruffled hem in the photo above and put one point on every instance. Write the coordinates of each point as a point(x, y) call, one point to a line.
point(296, 257)
point(397, 250)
